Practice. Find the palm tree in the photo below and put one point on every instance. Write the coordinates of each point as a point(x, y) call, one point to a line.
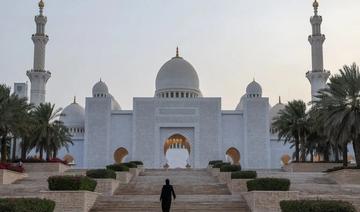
point(60, 137)
point(340, 106)
point(12, 112)
point(291, 126)
point(49, 134)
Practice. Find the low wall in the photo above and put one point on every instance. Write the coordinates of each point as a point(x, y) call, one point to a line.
point(135, 171)
point(46, 167)
point(224, 177)
point(123, 177)
point(215, 172)
point(268, 201)
point(71, 201)
point(8, 176)
point(238, 185)
point(106, 186)
point(309, 167)
point(346, 176)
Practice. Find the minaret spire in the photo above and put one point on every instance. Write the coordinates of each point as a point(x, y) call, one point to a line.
point(318, 75)
point(38, 75)
point(177, 52)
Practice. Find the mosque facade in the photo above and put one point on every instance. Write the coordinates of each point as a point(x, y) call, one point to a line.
point(178, 116)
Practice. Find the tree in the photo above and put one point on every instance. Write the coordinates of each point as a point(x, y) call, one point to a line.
point(291, 126)
point(13, 110)
point(49, 134)
point(340, 107)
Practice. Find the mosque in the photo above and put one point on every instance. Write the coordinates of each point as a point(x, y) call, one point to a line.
point(178, 116)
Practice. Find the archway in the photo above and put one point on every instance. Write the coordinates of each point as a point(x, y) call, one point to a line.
point(285, 159)
point(234, 155)
point(120, 154)
point(69, 159)
point(177, 151)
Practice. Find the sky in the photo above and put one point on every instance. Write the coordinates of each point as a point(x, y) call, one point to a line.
point(125, 42)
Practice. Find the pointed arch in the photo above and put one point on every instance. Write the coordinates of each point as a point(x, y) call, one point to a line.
point(176, 141)
point(234, 154)
point(120, 154)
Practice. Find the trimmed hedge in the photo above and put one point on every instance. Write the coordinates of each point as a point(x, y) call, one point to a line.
point(316, 205)
point(130, 165)
point(218, 165)
point(101, 173)
point(230, 168)
point(118, 168)
point(26, 205)
point(268, 184)
point(71, 183)
point(137, 162)
point(212, 162)
point(244, 175)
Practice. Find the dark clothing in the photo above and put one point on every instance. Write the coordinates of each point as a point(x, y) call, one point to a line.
point(165, 197)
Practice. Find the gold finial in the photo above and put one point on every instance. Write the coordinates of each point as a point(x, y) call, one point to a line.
point(74, 99)
point(177, 51)
point(279, 99)
point(41, 4)
point(316, 6)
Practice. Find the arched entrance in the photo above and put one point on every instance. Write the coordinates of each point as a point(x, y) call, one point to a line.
point(120, 155)
point(233, 155)
point(69, 159)
point(177, 151)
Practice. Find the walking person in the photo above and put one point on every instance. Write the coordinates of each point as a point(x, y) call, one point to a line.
point(165, 197)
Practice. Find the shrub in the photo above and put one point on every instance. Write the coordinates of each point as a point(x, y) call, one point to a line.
point(316, 205)
point(11, 167)
point(244, 175)
point(130, 165)
point(118, 168)
point(268, 184)
point(230, 168)
point(26, 204)
point(71, 183)
point(57, 160)
point(218, 165)
point(101, 173)
point(212, 162)
point(138, 163)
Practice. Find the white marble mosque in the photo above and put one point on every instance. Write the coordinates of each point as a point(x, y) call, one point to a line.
point(178, 117)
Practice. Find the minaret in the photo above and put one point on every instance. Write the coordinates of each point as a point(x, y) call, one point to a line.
point(318, 75)
point(38, 75)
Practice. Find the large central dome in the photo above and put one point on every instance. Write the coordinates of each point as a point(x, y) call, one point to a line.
point(177, 78)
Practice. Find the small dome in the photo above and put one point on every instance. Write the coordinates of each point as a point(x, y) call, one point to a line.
point(240, 106)
point(114, 104)
point(100, 89)
point(177, 75)
point(274, 111)
point(73, 115)
point(254, 89)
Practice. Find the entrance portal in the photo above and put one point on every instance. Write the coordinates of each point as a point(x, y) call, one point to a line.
point(233, 155)
point(177, 151)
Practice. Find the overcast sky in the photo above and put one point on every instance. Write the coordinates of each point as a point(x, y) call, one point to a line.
point(125, 42)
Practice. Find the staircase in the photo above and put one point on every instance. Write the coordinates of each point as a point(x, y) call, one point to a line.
point(196, 190)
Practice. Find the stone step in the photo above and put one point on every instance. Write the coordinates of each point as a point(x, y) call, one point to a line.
point(182, 203)
point(185, 189)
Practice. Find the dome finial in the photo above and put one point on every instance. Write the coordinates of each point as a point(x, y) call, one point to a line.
point(279, 99)
point(41, 6)
point(177, 52)
point(316, 6)
point(74, 99)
